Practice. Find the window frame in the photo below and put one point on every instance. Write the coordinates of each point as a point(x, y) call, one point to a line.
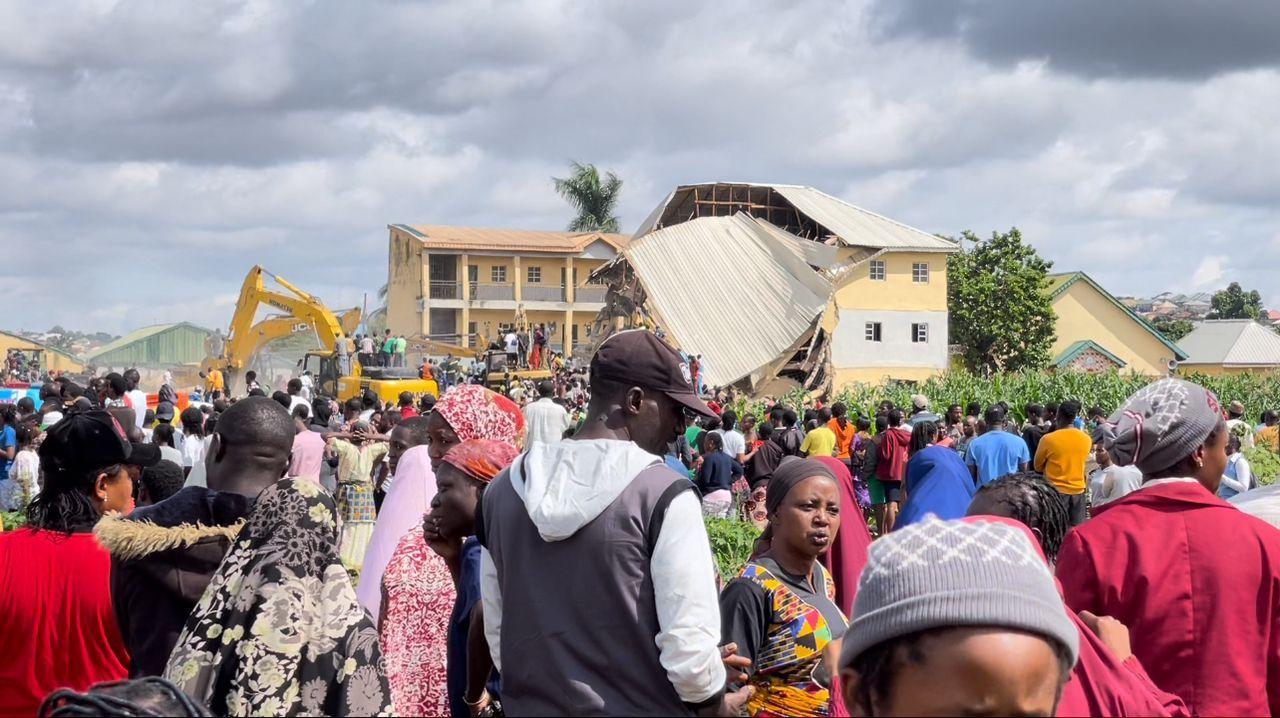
point(533, 275)
point(877, 264)
point(873, 332)
point(919, 329)
point(918, 270)
point(497, 274)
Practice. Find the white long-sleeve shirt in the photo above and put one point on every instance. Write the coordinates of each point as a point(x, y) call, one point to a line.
point(545, 421)
point(1244, 475)
point(684, 588)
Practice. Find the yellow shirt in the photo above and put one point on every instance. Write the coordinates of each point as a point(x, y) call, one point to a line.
point(1269, 437)
point(819, 442)
point(1061, 457)
point(214, 380)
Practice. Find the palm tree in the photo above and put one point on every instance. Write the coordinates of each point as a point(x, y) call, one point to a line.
point(595, 201)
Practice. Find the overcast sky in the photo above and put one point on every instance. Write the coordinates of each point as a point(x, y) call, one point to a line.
point(151, 152)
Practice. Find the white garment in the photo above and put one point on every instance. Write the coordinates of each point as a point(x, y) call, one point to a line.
point(308, 385)
point(193, 453)
point(1107, 485)
point(1262, 502)
point(567, 485)
point(365, 415)
point(735, 444)
point(1244, 475)
point(296, 401)
point(137, 400)
point(366, 345)
point(513, 343)
point(545, 421)
point(168, 453)
point(1245, 432)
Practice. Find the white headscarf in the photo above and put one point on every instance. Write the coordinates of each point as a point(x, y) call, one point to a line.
point(407, 500)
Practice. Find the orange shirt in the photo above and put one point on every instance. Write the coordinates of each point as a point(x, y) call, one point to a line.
point(844, 437)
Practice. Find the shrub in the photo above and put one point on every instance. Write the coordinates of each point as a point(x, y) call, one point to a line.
point(731, 544)
point(1264, 463)
point(10, 520)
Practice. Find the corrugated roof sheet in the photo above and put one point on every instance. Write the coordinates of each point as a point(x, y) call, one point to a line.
point(509, 240)
point(138, 335)
point(784, 289)
point(852, 225)
point(1232, 342)
point(1060, 283)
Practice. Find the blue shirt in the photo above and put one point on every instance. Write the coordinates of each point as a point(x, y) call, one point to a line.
point(997, 453)
point(717, 472)
point(8, 438)
point(460, 626)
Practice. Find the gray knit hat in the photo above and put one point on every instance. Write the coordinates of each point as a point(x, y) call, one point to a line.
point(936, 574)
point(1162, 424)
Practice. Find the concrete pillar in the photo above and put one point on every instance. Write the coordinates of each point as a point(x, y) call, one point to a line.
point(464, 278)
point(519, 278)
point(465, 321)
point(567, 342)
point(568, 279)
point(424, 319)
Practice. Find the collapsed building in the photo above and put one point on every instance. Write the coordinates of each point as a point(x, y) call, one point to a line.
point(779, 286)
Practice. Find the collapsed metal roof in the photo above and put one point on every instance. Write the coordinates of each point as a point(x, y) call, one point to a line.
point(787, 295)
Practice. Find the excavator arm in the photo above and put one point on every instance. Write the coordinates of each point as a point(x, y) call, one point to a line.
point(301, 311)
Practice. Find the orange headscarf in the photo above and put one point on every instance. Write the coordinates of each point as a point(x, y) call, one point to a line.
point(481, 459)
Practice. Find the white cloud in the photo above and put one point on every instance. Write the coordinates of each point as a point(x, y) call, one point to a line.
point(1210, 272)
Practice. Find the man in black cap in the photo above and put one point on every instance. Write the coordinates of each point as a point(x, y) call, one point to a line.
point(599, 526)
point(56, 622)
point(163, 556)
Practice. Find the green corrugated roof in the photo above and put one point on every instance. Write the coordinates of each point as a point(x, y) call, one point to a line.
point(1060, 283)
point(1072, 352)
point(138, 335)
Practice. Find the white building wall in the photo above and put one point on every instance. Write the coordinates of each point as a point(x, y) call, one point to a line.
point(851, 350)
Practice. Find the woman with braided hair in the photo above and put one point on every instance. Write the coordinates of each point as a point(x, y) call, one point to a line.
point(150, 696)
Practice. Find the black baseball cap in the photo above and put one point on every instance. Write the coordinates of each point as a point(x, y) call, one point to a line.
point(640, 358)
point(85, 441)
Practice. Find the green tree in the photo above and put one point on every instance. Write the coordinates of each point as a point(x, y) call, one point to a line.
point(1173, 329)
point(997, 295)
point(1235, 303)
point(594, 200)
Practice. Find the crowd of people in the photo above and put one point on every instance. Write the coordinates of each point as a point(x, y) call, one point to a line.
point(542, 549)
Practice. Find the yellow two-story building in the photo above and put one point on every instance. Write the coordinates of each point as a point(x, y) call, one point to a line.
point(465, 285)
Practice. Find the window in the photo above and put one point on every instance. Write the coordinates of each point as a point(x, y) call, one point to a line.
point(534, 275)
point(877, 271)
point(471, 328)
point(920, 272)
point(873, 331)
point(498, 274)
point(920, 333)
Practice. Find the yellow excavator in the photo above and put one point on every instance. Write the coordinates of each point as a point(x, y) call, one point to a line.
point(303, 312)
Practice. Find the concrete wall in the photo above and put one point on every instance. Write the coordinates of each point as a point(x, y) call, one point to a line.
point(404, 284)
point(1083, 313)
point(896, 302)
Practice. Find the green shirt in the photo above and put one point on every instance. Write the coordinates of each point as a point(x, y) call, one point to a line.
point(401, 343)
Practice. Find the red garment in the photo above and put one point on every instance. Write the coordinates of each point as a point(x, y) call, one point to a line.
point(848, 555)
point(407, 412)
point(57, 628)
point(1198, 584)
point(891, 456)
point(418, 596)
point(1100, 685)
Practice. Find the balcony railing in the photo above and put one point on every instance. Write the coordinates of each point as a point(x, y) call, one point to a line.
point(542, 293)
point(445, 290)
point(481, 291)
point(590, 293)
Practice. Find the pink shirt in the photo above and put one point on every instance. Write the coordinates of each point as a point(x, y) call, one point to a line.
point(308, 454)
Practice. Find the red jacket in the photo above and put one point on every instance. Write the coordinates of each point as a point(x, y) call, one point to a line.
point(57, 628)
point(891, 454)
point(1198, 584)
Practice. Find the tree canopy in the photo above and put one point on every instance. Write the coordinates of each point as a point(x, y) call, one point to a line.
point(997, 294)
point(1235, 303)
point(594, 200)
point(1173, 329)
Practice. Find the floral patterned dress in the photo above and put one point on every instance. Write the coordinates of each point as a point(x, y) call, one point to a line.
point(418, 596)
point(278, 631)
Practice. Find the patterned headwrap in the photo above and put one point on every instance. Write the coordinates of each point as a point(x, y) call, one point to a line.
point(1162, 424)
point(481, 459)
point(475, 412)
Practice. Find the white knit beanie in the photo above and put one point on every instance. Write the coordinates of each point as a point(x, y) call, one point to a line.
point(936, 574)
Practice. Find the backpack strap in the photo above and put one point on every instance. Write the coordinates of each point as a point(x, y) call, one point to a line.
point(659, 513)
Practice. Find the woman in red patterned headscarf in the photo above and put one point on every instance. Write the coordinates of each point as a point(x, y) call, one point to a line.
point(418, 594)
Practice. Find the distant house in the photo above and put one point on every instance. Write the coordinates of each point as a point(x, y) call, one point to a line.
point(1096, 332)
point(50, 359)
point(160, 345)
point(1231, 346)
